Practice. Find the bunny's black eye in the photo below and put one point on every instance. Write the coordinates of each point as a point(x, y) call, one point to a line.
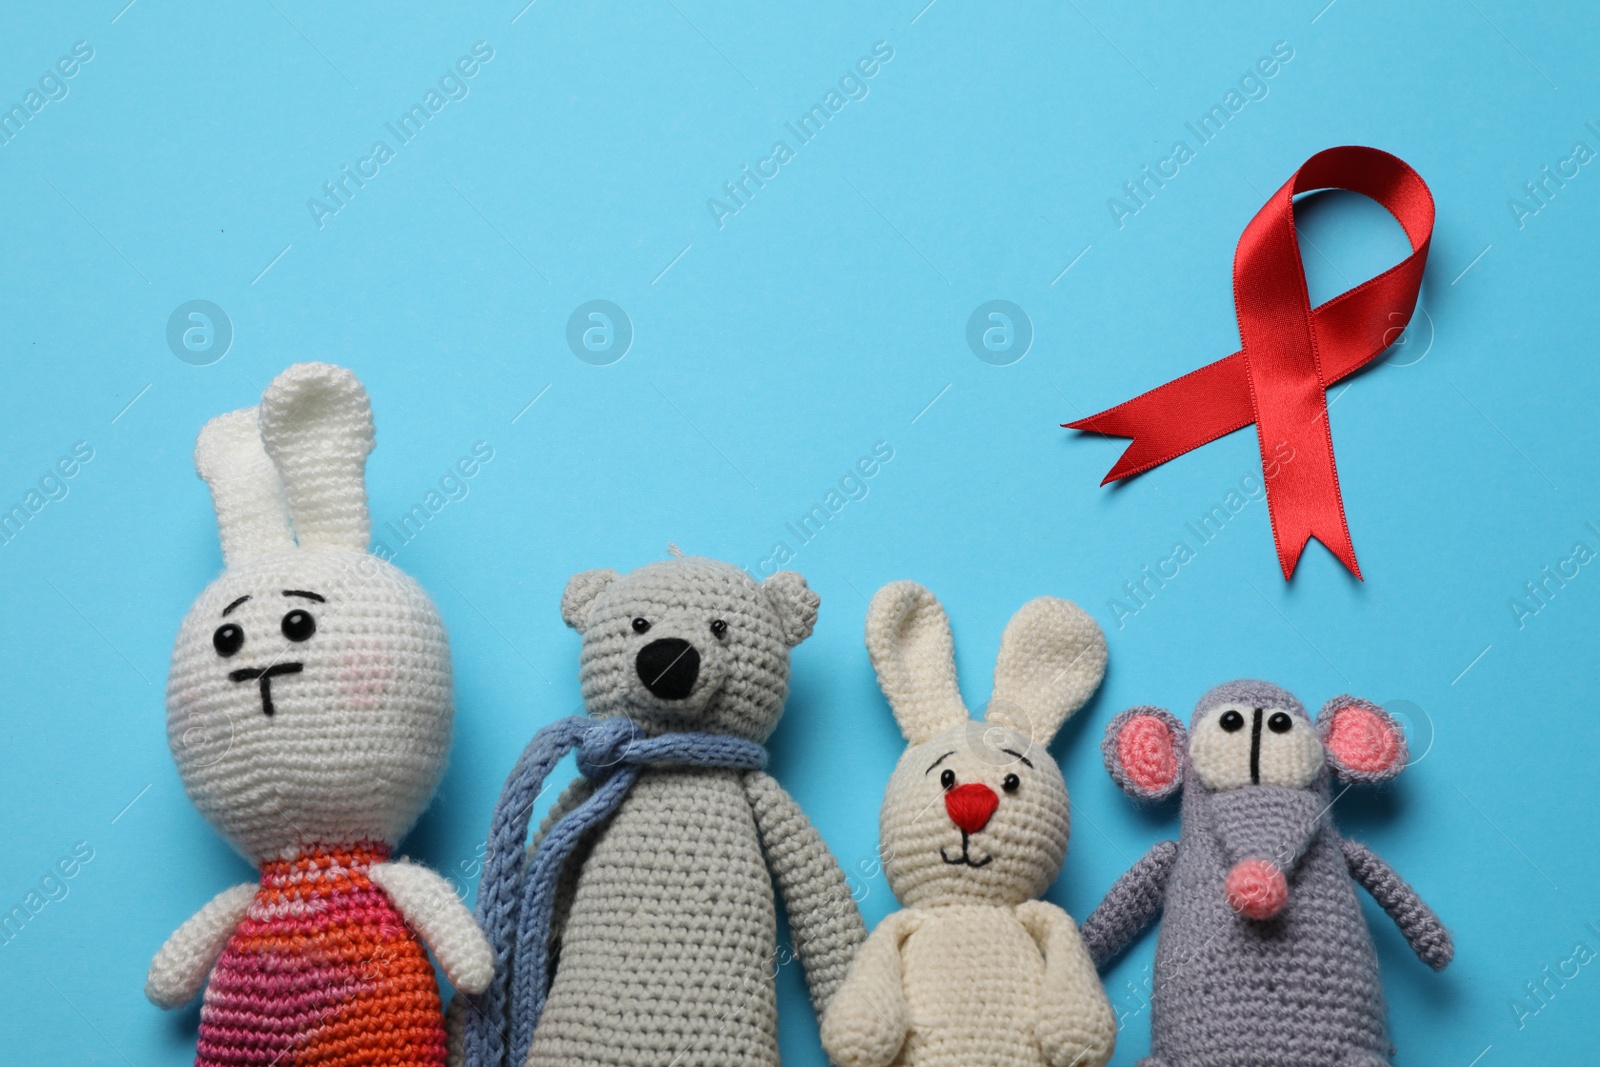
point(1011, 783)
point(640, 625)
point(228, 639)
point(719, 629)
point(948, 778)
point(1231, 721)
point(1280, 723)
point(298, 625)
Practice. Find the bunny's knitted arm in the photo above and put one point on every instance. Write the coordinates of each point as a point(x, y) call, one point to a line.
point(1421, 927)
point(179, 970)
point(1076, 1025)
point(868, 1018)
point(823, 916)
point(434, 911)
point(1130, 905)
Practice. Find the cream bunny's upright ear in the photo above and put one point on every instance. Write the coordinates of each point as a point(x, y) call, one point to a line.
point(316, 422)
point(1052, 657)
point(245, 489)
point(908, 639)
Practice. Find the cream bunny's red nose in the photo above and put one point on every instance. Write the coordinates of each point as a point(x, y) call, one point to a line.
point(970, 806)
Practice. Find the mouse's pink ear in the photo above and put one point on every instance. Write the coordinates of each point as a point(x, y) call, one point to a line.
point(1364, 742)
point(1144, 749)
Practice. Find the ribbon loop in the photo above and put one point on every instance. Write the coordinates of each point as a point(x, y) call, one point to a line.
point(1290, 353)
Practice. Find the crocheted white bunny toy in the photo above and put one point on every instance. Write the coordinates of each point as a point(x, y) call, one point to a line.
point(309, 711)
point(975, 969)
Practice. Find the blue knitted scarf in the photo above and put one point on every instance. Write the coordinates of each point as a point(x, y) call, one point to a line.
point(516, 899)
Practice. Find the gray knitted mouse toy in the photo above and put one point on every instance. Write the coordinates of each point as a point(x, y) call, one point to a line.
point(640, 928)
point(1263, 955)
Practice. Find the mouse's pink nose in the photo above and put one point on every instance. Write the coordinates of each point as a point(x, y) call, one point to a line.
point(970, 806)
point(1256, 889)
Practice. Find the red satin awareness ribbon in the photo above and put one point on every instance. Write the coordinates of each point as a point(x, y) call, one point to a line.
point(1290, 354)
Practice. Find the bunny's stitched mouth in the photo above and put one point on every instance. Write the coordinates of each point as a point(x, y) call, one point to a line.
point(265, 674)
point(965, 859)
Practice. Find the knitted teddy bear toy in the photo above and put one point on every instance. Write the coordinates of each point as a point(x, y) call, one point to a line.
point(975, 970)
point(1263, 955)
point(309, 710)
point(641, 926)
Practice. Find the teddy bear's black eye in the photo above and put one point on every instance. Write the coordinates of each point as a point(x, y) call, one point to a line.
point(948, 778)
point(1231, 721)
point(640, 625)
point(1280, 723)
point(298, 625)
point(719, 629)
point(1011, 783)
point(228, 639)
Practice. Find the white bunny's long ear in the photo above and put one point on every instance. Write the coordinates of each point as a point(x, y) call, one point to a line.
point(251, 516)
point(316, 422)
point(908, 639)
point(1052, 657)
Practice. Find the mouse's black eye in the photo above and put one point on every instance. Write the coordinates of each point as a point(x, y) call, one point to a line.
point(1011, 783)
point(1231, 721)
point(719, 629)
point(1280, 723)
point(948, 778)
point(298, 625)
point(640, 625)
point(228, 639)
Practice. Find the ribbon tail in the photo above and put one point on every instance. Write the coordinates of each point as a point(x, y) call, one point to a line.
point(1174, 418)
point(1303, 498)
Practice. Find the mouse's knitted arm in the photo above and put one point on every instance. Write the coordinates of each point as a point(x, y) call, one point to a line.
point(1421, 927)
point(1076, 1026)
point(823, 916)
point(1130, 905)
point(179, 971)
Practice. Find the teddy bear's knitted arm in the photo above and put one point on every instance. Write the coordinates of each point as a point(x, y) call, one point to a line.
point(823, 916)
point(1130, 905)
point(179, 971)
point(868, 1018)
point(1076, 1025)
point(1421, 927)
point(434, 911)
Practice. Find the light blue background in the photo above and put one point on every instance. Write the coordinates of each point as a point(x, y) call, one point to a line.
point(769, 354)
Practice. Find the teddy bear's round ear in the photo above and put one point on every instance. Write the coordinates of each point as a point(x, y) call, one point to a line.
point(1143, 748)
point(579, 596)
point(1364, 743)
point(795, 604)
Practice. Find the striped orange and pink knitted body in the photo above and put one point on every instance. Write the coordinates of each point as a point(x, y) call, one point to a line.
point(323, 972)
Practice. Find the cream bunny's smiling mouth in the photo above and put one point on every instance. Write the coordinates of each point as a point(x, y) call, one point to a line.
point(965, 859)
point(265, 674)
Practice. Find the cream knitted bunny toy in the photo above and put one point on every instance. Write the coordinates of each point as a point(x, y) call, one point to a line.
point(309, 710)
point(975, 971)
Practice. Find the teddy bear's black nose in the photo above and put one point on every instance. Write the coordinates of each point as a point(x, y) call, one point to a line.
point(668, 667)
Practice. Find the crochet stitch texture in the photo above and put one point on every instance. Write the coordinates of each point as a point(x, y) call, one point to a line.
point(309, 713)
point(664, 930)
point(322, 972)
point(974, 970)
point(1263, 954)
